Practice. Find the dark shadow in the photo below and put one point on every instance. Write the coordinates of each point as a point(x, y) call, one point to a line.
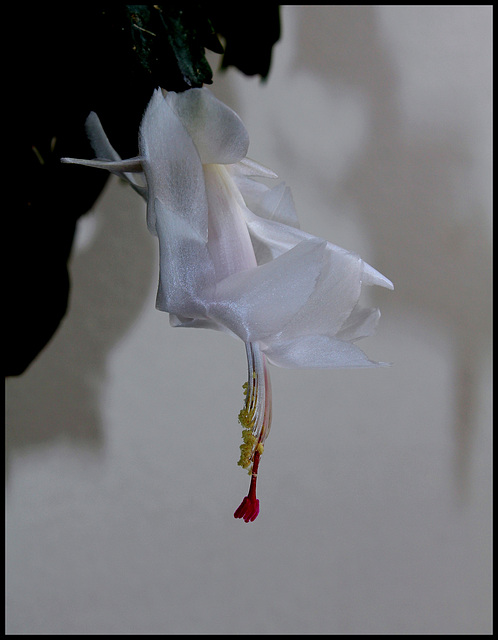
point(59, 396)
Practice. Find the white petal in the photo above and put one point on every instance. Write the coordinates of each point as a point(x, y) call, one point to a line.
point(334, 298)
point(105, 151)
point(218, 133)
point(248, 167)
point(272, 204)
point(251, 190)
point(130, 165)
point(259, 302)
point(339, 288)
point(270, 238)
point(108, 158)
point(98, 139)
point(186, 272)
point(317, 352)
point(278, 237)
point(372, 276)
point(196, 323)
point(228, 240)
point(172, 167)
point(129, 170)
point(278, 205)
point(361, 323)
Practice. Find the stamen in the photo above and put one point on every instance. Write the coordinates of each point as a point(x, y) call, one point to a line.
point(255, 419)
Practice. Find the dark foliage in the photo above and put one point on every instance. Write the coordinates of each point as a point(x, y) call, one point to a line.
point(69, 59)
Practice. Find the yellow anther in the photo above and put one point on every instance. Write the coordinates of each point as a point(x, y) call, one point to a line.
point(251, 432)
point(246, 448)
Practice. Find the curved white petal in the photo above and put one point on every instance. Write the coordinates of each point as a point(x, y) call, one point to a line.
point(105, 151)
point(196, 323)
point(172, 167)
point(271, 238)
point(247, 167)
point(259, 302)
point(128, 170)
point(229, 243)
point(335, 296)
point(130, 165)
point(98, 138)
point(361, 323)
point(186, 272)
point(251, 190)
point(216, 130)
point(371, 276)
point(108, 158)
point(277, 204)
point(272, 204)
point(277, 238)
point(317, 352)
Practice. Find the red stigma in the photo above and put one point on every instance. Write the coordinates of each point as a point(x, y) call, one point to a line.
point(249, 507)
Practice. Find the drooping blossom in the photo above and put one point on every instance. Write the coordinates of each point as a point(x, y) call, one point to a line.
point(232, 255)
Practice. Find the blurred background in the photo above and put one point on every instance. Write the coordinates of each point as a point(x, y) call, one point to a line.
point(375, 486)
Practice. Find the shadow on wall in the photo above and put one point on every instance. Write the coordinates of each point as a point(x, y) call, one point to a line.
point(428, 235)
point(59, 396)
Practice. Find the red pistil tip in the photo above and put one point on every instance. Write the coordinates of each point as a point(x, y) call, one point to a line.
point(248, 509)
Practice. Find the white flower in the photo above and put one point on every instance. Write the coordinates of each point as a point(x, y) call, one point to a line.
point(232, 256)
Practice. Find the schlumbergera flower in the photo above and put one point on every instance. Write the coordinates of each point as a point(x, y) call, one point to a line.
point(232, 255)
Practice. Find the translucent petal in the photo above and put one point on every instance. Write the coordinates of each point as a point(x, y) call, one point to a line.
point(196, 323)
point(172, 167)
point(98, 139)
point(271, 238)
point(131, 165)
point(109, 159)
point(105, 151)
point(277, 237)
point(251, 190)
point(218, 133)
point(186, 272)
point(248, 167)
point(317, 352)
point(259, 302)
point(229, 243)
point(361, 323)
point(272, 204)
point(333, 299)
point(129, 170)
point(277, 204)
point(372, 276)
